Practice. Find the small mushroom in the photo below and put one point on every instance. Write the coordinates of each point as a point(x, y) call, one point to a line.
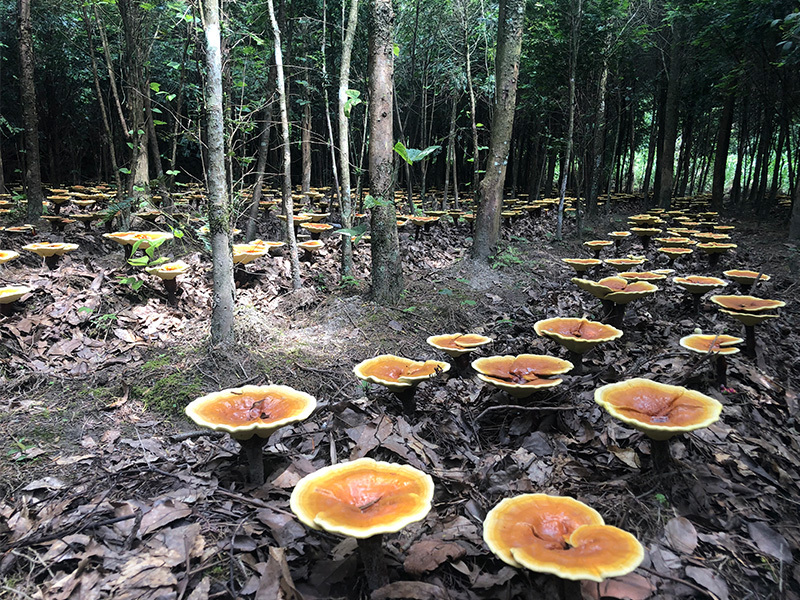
point(400, 375)
point(560, 536)
point(7, 256)
point(623, 264)
point(644, 234)
point(168, 272)
point(251, 414)
point(718, 346)
point(9, 296)
point(364, 499)
point(715, 250)
point(310, 248)
point(615, 293)
point(659, 410)
point(746, 279)
point(521, 375)
point(749, 311)
point(582, 265)
point(316, 229)
point(673, 253)
point(643, 275)
point(697, 286)
point(51, 252)
point(578, 336)
point(596, 246)
point(618, 237)
point(458, 346)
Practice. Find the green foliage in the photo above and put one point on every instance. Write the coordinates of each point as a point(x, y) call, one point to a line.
point(507, 257)
point(357, 232)
point(412, 155)
point(170, 392)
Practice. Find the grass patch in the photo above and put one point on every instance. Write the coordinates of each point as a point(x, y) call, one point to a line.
point(171, 393)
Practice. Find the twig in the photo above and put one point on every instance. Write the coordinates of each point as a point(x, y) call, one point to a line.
point(63, 533)
point(353, 323)
point(188, 435)
point(698, 588)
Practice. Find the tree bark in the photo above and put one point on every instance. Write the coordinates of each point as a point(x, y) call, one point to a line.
point(451, 150)
point(794, 223)
point(599, 133)
point(490, 190)
point(667, 166)
point(261, 166)
point(387, 271)
point(30, 118)
point(721, 157)
point(286, 187)
point(305, 145)
point(222, 317)
point(345, 194)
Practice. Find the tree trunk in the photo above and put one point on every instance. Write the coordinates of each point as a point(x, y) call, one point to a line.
point(685, 156)
point(666, 168)
point(599, 134)
point(451, 149)
point(721, 156)
point(261, 166)
point(176, 126)
point(387, 270)
point(794, 223)
point(736, 186)
point(472, 107)
point(305, 145)
point(345, 195)
point(286, 187)
point(490, 191)
point(30, 118)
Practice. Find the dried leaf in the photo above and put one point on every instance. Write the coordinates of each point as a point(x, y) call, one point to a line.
point(681, 535)
point(769, 541)
point(410, 590)
point(709, 580)
point(427, 555)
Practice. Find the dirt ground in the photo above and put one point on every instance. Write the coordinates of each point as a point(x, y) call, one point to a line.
point(109, 491)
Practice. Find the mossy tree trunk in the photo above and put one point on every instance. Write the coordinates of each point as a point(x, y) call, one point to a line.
point(218, 205)
point(490, 190)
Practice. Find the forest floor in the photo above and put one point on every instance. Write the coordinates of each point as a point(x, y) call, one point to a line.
point(107, 491)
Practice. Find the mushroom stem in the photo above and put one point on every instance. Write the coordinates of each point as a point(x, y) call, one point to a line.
point(51, 261)
point(713, 259)
point(570, 590)
point(253, 451)
point(461, 364)
point(645, 239)
point(576, 359)
point(128, 249)
point(171, 285)
point(371, 550)
point(722, 370)
point(608, 310)
point(696, 303)
point(659, 455)
point(7, 309)
point(406, 397)
point(750, 340)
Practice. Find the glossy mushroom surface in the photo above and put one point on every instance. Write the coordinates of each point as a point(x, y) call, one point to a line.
point(362, 498)
point(458, 344)
point(698, 284)
point(251, 410)
point(13, 293)
point(168, 271)
point(746, 304)
point(577, 335)
point(521, 375)
point(560, 536)
point(716, 344)
point(745, 277)
point(396, 372)
point(658, 409)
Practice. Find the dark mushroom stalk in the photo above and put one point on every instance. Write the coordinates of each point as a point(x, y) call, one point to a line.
point(375, 570)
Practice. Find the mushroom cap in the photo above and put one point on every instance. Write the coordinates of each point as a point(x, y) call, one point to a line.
point(593, 287)
point(457, 344)
point(674, 252)
point(7, 255)
point(317, 217)
point(702, 344)
point(577, 335)
point(311, 245)
point(642, 276)
point(598, 243)
point(13, 293)
point(246, 253)
point(251, 410)
point(747, 304)
point(582, 265)
point(396, 372)
point(645, 231)
point(658, 409)
point(621, 264)
point(620, 234)
point(676, 242)
point(560, 536)
point(715, 248)
point(523, 374)
point(744, 277)
point(362, 498)
point(45, 249)
point(621, 291)
point(167, 271)
point(316, 227)
point(749, 319)
point(699, 284)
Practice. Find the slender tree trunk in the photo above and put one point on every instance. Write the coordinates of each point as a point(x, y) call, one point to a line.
point(345, 195)
point(651, 149)
point(451, 148)
point(387, 270)
point(721, 156)
point(30, 118)
point(222, 317)
point(155, 153)
point(472, 109)
point(261, 166)
point(599, 134)
point(286, 187)
point(685, 156)
point(2, 172)
point(305, 145)
point(666, 168)
point(794, 223)
point(176, 126)
point(631, 147)
point(326, 99)
point(112, 78)
point(736, 186)
point(490, 191)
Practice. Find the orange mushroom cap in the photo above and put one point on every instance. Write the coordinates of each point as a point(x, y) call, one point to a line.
point(621, 264)
point(577, 335)
point(716, 248)
point(748, 304)
point(45, 249)
point(560, 536)
point(362, 498)
point(744, 277)
point(619, 234)
point(642, 276)
point(246, 253)
point(251, 410)
point(598, 243)
point(311, 245)
point(169, 270)
point(13, 293)
point(582, 264)
point(396, 373)
point(659, 410)
point(317, 227)
point(521, 375)
point(458, 344)
point(7, 255)
point(716, 344)
point(698, 284)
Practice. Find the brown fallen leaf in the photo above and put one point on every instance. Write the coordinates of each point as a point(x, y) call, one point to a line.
point(427, 555)
point(769, 541)
point(629, 587)
point(681, 535)
point(709, 580)
point(410, 590)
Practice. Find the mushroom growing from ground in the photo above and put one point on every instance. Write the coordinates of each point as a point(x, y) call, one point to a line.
point(310, 247)
point(582, 265)
point(673, 253)
point(560, 536)
point(9, 296)
point(659, 410)
point(642, 275)
point(578, 336)
point(715, 250)
point(615, 293)
point(316, 229)
point(168, 272)
point(51, 252)
point(719, 346)
point(596, 246)
point(400, 375)
point(749, 311)
point(745, 278)
point(617, 237)
point(458, 346)
point(364, 499)
point(623, 264)
point(7, 256)
point(521, 375)
point(644, 234)
point(697, 286)
point(251, 414)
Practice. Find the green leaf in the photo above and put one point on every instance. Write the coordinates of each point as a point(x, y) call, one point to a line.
point(412, 155)
point(157, 122)
point(371, 201)
point(125, 171)
point(172, 172)
point(139, 261)
point(396, 50)
point(353, 99)
point(170, 97)
point(156, 87)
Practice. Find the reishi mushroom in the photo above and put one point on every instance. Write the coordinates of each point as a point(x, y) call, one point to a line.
point(697, 286)
point(749, 311)
point(560, 536)
point(458, 346)
point(719, 346)
point(51, 252)
point(581, 265)
point(659, 410)
point(615, 293)
point(364, 499)
point(400, 375)
point(7, 256)
point(251, 414)
point(578, 336)
point(521, 375)
point(167, 273)
point(9, 296)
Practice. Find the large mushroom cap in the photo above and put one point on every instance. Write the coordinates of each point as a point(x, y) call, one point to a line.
point(747, 304)
point(622, 264)
point(13, 293)
point(582, 265)
point(7, 255)
point(251, 410)
point(521, 375)
point(577, 335)
point(744, 277)
point(244, 254)
point(362, 498)
point(716, 344)
point(715, 247)
point(643, 275)
point(169, 270)
point(698, 284)
point(659, 410)
point(45, 249)
point(560, 536)
point(458, 344)
point(396, 372)
point(625, 292)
